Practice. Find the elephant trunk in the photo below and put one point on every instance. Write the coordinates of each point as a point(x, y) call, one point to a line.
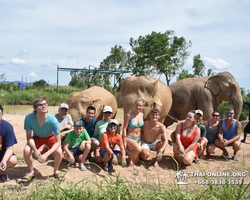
point(237, 103)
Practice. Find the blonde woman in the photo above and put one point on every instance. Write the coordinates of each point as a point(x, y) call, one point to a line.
point(187, 136)
point(133, 123)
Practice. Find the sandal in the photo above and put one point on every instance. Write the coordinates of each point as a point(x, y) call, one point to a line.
point(196, 161)
point(27, 178)
point(71, 164)
point(59, 176)
point(124, 162)
point(83, 168)
point(224, 156)
point(4, 178)
point(235, 158)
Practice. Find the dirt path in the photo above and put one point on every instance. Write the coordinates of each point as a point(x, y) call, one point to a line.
point(165, 173)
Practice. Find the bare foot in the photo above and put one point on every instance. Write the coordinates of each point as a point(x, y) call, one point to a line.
point(156, 164)
point(159, 157)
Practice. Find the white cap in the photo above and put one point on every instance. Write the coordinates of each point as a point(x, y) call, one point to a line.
point(199, 112)
point(113, 121)
point(64, 105)
point(107, 109)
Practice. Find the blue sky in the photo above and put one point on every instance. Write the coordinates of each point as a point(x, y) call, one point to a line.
point(36, 36)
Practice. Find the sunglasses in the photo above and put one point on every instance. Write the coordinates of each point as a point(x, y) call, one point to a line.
point(215, 115)
point(112, 126)
point(229, 113)
point(42, 104)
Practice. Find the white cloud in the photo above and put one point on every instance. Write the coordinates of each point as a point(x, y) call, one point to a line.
point(217, 63)
point(2, 62)
point(17, 61)
point(12, 74)
point(32, 74)
point(5, 70)
point(58, 32)
point(55, 63)
point(44, 65)
point(23, 51)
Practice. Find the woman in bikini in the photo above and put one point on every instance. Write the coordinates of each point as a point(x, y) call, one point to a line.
point(187, 136)
point(212, 131)
point(132, 132)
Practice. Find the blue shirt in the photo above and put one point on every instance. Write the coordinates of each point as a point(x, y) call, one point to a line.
point(90, 127)
point(228, 134)
point(49, 128)
point(7, 136)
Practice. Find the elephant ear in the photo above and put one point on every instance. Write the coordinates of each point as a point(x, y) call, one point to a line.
point(97, 104)
point(213, 84)
point(157, 99)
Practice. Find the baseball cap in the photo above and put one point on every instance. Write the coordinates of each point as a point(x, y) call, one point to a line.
point(107, 109)
point(79, 123)
point(199, 112)
point(64, 105)
point(113, 121)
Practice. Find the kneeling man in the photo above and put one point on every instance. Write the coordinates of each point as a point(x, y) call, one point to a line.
point(151, 130)
point(7, 141)
point(229, 134)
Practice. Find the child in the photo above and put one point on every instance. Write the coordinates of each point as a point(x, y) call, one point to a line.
point(77, 145)
point(110, 139)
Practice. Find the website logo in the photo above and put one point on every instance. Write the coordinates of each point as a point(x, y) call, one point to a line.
point(181, 177)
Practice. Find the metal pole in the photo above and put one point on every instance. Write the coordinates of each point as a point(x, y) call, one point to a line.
point(89, 78)
point(57, 78)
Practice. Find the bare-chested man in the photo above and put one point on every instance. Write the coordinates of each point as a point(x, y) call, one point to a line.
point(151, 130)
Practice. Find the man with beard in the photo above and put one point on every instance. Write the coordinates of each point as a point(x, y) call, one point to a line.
point(229, 134)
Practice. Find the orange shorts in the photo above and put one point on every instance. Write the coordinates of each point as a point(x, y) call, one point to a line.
point(49, 142)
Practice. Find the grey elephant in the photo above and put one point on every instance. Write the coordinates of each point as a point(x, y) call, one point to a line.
point(204, 93)
point(152, 91)
point(94, 96)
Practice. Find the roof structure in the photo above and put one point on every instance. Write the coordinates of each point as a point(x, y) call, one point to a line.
point(121, 72)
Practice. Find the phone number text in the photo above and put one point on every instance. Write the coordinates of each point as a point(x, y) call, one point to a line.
point(218, 182)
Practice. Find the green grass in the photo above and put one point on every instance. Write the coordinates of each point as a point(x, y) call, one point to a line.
point(26, 97)
point(117, 187)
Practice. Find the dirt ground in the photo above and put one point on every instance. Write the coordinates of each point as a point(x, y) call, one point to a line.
point(165, 174)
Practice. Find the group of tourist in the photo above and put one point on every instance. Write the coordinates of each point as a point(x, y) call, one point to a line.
point(87, 137)
point(193, 138)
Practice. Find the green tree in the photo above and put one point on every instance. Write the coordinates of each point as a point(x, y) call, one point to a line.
point(210, 72)
point(84, 79)
point(2, 77)
point(198, 66)
point(198, 69)
point(158, 53)
point(184, 74)
point(40, 83)
point(117, 60)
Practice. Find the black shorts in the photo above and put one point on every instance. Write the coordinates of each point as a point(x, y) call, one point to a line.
point(247, 128)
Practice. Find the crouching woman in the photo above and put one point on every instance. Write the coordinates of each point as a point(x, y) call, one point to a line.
point(111, 140)
point(187, 136)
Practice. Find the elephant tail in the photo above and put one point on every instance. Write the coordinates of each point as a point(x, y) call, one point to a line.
point(174, 119)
